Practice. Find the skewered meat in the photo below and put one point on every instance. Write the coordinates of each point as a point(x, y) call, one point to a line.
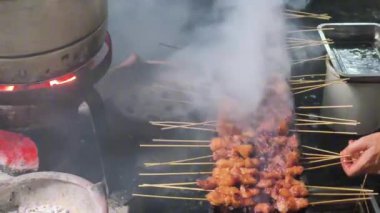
point(263, 208)
point(257, 160)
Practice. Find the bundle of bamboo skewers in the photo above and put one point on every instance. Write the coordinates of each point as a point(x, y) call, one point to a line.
point(321, 155)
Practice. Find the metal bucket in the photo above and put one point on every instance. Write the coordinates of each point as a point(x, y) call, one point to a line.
point(51, 192)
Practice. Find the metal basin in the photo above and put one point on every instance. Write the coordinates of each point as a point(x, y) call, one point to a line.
point(51, 191)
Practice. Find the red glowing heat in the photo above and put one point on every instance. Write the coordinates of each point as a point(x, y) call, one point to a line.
point(63, 80)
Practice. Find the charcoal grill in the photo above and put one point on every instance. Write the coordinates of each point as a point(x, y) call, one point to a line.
point(136, 130)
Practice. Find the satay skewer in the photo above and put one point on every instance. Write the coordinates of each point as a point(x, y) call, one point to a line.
point(318, 121)
point(173, 146)
point(312, 86)
point(339, 201)
point(340, 188)
point(189, 164)
point(343, 194)
point(325, 117)
point(177, 161)
point(169, 197)
point(174, 173)
point(173, 187)
point(322, 166)
point(325, 107)
point(324, 132)
point(310, 30)
point(175, 184)
point(180, 141)
point(319, 86)
point(320, 150)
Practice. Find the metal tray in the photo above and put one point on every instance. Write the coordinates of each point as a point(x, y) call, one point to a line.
point(355, 50)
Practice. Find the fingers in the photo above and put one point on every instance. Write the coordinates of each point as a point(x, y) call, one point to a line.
point(356, 147)
point(360, 165)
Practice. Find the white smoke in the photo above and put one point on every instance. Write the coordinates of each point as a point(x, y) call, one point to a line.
point(235, 57)
point(231, 51)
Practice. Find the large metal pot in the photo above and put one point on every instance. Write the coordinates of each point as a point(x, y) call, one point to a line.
point(41, 39)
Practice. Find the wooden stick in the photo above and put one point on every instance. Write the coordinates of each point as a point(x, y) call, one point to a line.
point(174, 146)
point(181, 141)
point(319, 155)
point(322, 166)
point(324, 124)
point(339, 188)
point(328, 118)
point(173, 187)
point(325, 107)
point(185, 127)
point(316, 85)
point(298, 82)
point(321, 150)
point(174, 173)
point(169, 197)
point(175, 184)
point(339, 201)
point(362, 186)
point(190, 164)
point(309, 30)
point(188, 125)
point(343, 194)
point(323, 132)
point(319, 58)
point(177, 161)
point(319, 86)
point(323, 160)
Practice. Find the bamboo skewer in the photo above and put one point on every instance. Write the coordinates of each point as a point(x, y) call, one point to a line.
point(323, 124)
point(343, 194)
point(301, 14)
point(328, 118)
point(189, 125)
point(362, 186)
point(180, 141)
point(169, 197)
point(175, 184)
point(177, 161)
point(300, 82)
point(338, 201)
point(189, 164)
point(319, 155)
point(319, 86)
point(173, 187)
point(174, 146)
point(174, 173)
point(339, 188)
point(324, 160)
point(322, 166)
point(326, 121)
point(319, 58)
point(321, 150)
point(185, 127)
point(324, 132)
point(309, 30)
point(325, 107)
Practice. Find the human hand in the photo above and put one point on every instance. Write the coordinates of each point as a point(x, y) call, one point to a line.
point(362, 156)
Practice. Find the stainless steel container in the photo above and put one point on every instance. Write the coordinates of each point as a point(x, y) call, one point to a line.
point(42, 39)
point(354, 55)
point(50, 191)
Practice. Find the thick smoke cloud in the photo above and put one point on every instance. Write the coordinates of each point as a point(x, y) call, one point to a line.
point(228, 49)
